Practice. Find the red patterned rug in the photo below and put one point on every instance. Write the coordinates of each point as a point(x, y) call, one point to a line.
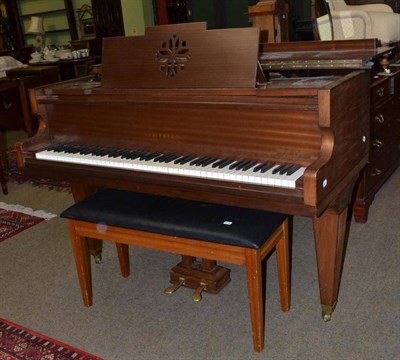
point(19, 343)
point(13, 173)
point(16, 218)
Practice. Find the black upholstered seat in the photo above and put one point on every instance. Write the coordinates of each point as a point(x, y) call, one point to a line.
point(176, 217)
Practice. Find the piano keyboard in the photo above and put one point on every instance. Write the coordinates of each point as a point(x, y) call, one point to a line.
point(242, 171)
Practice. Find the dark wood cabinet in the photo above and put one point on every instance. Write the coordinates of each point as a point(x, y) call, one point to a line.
point(384, 157)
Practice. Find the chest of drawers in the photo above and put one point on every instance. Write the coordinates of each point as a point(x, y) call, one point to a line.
point(384, 156)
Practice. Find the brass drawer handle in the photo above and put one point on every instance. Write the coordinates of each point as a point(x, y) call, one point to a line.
point(381, 118)
point(7, 105)
point(380, 91)
point(377, 143)
point(376, 172)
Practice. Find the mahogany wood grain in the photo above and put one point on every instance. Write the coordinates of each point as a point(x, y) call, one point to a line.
point(320, 123)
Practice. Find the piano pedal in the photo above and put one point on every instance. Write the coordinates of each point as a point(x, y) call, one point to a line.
point(196, 297)
point(171, 289)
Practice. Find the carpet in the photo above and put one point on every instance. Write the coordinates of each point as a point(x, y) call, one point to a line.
point(14, 173)
point(19, 343)
point(17, 218)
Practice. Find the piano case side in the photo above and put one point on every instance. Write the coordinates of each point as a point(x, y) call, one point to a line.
point(344, 122)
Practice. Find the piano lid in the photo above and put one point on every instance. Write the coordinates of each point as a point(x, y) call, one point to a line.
point(182, 56)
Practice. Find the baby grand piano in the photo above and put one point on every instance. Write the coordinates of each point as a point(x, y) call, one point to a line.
point(184, 111)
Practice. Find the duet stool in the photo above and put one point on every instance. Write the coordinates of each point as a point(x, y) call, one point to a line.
point(217, 232)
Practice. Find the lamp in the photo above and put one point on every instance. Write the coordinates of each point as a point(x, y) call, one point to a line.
point(36, 27)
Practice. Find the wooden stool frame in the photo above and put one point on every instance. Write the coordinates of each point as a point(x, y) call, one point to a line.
point(251, 258)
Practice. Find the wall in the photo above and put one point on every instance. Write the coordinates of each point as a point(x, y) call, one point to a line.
point(137, 15)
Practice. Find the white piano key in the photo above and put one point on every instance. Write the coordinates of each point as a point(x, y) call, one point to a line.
point(207, 172)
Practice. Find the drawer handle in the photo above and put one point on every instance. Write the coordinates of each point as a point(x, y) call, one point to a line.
point(376, 172)
point(7, 105)
point(381, 91)
point(379, 118)
point(377, 143)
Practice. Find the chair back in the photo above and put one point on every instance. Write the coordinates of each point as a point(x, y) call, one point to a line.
point(337, 5)
point(322, 20)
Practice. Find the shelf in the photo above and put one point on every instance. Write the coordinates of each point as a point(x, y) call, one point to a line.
point(59, 19)
point(42, 13)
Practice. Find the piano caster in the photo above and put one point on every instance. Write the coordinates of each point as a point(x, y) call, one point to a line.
point(97, 258)
point(327, 312)
point(196, 297)
point(171, 289)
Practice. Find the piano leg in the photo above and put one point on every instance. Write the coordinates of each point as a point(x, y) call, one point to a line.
point(330, 233)
point(79, 192)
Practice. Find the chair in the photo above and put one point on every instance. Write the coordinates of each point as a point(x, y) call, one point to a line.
point(209, 231)
point(345, 22)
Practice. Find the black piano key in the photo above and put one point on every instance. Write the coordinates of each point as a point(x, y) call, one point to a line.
point(202, 161)
point(225, 163)
point(117, 153)
point(285, 169)
point(185, 159)
point(103, 152)
point(217, 163)
point(173, 158)
point(236, 164)
point(277, 169)
point(195, 161)
point(259, 166)
point(209, 161)
point(239, 165)
point(293, 169)
point(149, 156)
point(170, 158)
point(86, 150)
point(132, 153)
point(266, 167)
point(137, 155)
point(249, 165)
point(161, 157)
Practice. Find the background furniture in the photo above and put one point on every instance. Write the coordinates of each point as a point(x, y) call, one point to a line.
point(384, 156)
point(345, 22)
point(271, 17)
point(71, 69)
point(15, 111)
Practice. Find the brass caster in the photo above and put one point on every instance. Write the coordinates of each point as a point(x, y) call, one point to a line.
point(171, 289)
point(327, 311)
point(326, 317)
point(196, 297)
point(97, 258)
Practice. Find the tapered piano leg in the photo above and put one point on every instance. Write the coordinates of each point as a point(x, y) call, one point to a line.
point(330, 233)
point(79, 192)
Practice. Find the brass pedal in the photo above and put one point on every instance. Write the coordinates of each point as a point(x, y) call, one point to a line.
point(171, 289)
point(196, 297)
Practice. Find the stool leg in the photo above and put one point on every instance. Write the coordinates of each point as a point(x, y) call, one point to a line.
point(283, 264)
point(82, 259)
point(123, 258)
point(255, 293)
